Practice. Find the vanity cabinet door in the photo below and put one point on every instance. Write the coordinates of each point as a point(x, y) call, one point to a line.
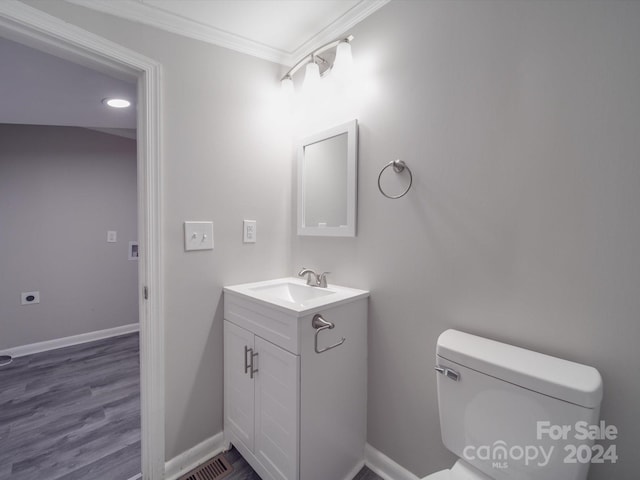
point(277, 407)
point(238, 385)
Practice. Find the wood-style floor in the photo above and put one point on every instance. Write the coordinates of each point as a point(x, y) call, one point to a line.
point(72, 413)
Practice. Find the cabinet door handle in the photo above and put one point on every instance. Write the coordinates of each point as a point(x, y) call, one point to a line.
point(247, 366)
point(252, 371)
point(249, 356)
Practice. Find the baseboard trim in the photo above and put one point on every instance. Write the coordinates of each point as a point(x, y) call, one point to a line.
point(383, 466)
point(359, 466)
point(69, 341)
point(187, 461)
point(375, 460)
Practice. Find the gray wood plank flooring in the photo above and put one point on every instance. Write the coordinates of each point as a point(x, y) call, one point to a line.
point(72, 413)
point(243, 471)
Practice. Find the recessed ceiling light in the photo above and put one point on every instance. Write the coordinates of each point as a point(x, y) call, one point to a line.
point(116, 102)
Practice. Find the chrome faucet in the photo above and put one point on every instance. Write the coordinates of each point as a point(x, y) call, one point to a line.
point(313, 279)
point(310, 274)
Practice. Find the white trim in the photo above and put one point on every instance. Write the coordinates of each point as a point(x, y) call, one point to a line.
point(359, 466)
point(375, 460)
point(146, 14)
point(383, 466)
point(135, 11)
point(337, 29)
point(37, 29)
point(187, 461)
point(38, 347)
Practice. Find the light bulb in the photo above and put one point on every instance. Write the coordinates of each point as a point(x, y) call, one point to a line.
point(116, 102)
point(344, 61)
point(287, 86)
point(311, 77)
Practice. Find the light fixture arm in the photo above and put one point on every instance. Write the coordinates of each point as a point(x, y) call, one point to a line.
point(312, 56)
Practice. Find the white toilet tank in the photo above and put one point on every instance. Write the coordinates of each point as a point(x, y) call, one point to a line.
point(513, 413)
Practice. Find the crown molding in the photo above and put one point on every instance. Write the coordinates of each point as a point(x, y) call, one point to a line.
point(336, 29)
point(148, 15)
point(139, 12)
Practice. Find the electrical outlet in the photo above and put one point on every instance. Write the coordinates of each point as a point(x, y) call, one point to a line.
point(29, 298)
point(249, 231)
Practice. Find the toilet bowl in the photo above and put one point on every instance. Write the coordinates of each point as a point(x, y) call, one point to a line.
point(492, 398)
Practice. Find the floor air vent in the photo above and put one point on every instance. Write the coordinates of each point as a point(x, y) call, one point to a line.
point(215, 469)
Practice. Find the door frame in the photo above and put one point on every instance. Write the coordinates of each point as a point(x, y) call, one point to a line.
point(30, 26)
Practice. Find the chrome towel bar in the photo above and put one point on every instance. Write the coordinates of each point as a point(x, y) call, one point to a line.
point(320, 324)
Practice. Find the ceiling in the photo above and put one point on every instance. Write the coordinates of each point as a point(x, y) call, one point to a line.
point(42, 89)
point(282, 31)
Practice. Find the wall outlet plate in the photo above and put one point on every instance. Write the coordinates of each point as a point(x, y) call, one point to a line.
point(249, 231)
point(198, 236)
point(29, 298)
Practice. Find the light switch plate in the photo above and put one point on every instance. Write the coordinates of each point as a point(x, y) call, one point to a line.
point(112, 236)
point(198, 236)
point(249, 231)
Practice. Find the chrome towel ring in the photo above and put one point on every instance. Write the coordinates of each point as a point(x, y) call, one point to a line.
point(398, 166)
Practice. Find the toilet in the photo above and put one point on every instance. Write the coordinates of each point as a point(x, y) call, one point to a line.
point(513, 414)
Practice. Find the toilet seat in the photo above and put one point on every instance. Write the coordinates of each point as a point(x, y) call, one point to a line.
point(460, 471)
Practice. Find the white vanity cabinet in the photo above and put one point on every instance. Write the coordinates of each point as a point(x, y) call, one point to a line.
point(293, 413)
point(261, 408)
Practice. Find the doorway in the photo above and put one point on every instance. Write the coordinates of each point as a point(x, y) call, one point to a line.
point(29, 26)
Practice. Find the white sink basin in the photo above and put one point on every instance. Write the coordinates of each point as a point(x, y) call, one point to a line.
point(291, 292)
point(294, 295)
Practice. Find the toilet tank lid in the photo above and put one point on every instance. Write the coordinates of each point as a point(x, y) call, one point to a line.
point(555, 377)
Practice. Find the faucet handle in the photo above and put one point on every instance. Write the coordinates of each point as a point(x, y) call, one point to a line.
point(322, 279)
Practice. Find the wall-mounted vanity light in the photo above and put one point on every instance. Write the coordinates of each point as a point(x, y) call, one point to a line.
point(333, 57)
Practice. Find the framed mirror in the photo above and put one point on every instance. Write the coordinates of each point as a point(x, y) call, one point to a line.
point(327, 182)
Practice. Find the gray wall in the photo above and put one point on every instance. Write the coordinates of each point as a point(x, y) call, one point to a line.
point(521, 123)
point(226, 158)
point(61, 189)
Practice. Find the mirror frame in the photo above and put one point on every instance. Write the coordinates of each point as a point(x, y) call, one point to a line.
point(348, 230)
